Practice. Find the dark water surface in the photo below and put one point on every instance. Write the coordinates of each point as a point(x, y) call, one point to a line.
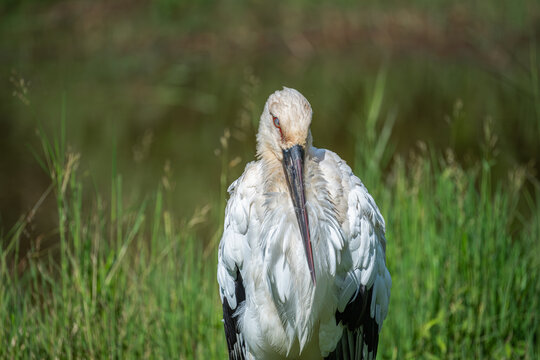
point(158, 83)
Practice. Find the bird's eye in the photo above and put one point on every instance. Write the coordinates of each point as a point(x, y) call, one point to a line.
point(276, 121)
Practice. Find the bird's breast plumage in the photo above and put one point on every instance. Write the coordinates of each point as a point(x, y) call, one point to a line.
point(283, 302)
point(283, 313)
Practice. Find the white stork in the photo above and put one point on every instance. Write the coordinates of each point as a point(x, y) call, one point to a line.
point(301, 265)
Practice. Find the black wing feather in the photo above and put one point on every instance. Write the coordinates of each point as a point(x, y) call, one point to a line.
point(363, 328)
point(235, 340)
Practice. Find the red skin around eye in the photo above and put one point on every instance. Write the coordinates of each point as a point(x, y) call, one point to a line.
point(277, 125)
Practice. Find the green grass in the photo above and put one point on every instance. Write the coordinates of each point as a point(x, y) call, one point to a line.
point(464, 286)
point(125, 283)
point(131, 280)
point(464, 260)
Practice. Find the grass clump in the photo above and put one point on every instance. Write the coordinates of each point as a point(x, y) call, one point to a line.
point(124, 282)
point(464, 284)
point(464, 259)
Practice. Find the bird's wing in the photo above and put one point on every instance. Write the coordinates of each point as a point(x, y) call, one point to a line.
point(233, 249)
point(364, 291)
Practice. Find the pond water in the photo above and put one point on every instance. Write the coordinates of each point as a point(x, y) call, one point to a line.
point(157, 84)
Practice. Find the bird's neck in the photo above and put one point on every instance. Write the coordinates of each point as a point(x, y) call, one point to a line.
point(274, 175)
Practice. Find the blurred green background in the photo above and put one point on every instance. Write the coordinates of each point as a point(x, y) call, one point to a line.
point(159, 81)
point(166, 95)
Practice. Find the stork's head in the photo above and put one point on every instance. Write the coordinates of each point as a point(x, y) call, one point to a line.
point(284, 123)
point(284, 136)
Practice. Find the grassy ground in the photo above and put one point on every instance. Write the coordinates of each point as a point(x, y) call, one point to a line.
point(128, 280)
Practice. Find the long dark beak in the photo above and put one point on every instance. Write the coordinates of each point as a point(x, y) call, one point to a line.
point(293, 165)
